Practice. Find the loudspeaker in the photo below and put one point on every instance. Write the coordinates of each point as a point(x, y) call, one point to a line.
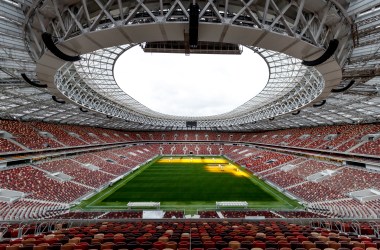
point(193, 25)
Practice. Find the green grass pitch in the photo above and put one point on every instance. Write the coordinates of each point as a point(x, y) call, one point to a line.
point(190, 182)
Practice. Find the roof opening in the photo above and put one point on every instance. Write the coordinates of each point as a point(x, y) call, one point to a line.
point(195, 85)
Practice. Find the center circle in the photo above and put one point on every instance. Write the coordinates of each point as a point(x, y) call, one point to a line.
point(191, 85)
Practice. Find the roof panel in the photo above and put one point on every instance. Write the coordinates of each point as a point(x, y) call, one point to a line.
point(18, 99)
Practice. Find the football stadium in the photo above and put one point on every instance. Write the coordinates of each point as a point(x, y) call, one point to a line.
point(87, 164)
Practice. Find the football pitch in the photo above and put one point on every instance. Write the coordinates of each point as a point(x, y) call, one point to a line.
point(190, 183)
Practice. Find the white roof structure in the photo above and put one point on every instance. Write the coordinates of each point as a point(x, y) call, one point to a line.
point(285, 33)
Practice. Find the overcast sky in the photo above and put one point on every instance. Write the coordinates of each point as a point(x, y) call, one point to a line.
point(195, 85)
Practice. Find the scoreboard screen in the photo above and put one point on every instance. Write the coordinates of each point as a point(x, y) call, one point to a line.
point(191, 124)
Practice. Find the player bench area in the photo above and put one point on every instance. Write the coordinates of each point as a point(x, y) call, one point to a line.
point(144, 204)
point(230, 204)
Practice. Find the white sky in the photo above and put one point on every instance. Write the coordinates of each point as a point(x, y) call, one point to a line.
point(195, 85)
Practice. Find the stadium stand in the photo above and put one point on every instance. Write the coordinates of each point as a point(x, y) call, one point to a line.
point(166, 149)
point(104, 165)
point(299, 214)
point(309, 167)
point(208, 214)
point(26, 135)
point(374, 205)
point(76, 170)
point(341, 138)
point(370, 148)
point(284, 179)
point(344, 208)
point(59, 133)
point(313, 192)
point(121, 215)
point(204, 234)
point(43, 188)
point(26, 209)
point(243, 214)
point(71, 135)
point(174, 214)
point(203, 150)
point(79, 215)
point(68, 132)
point(265, 161)
point(350, 179)
point(88, 171)
point(39, 135)
point(7, 146)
